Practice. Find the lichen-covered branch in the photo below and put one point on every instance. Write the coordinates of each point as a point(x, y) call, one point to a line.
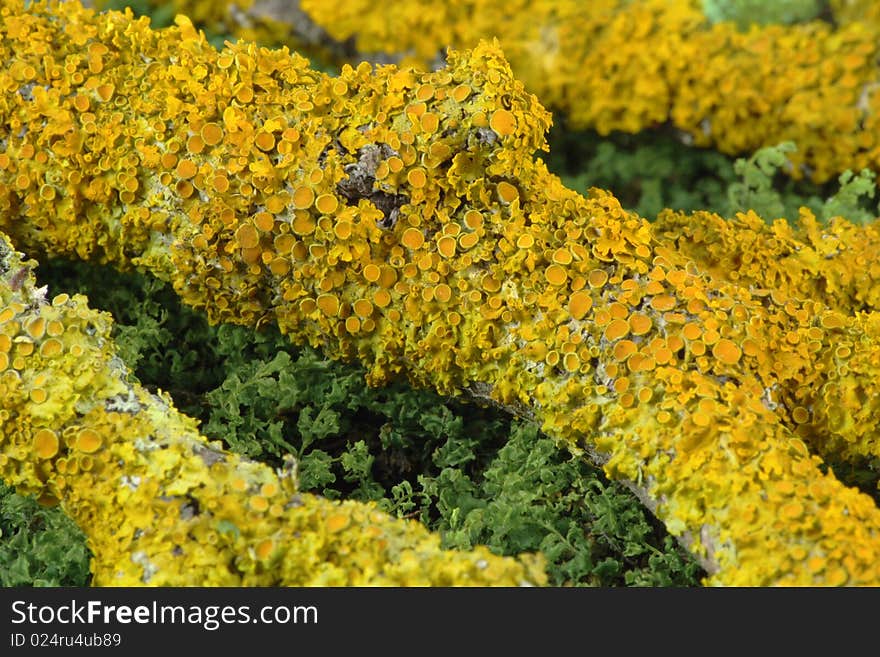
point(835, 264)
point(161, 505)
point(628, 65)
point(623, 65)
point(399, 219)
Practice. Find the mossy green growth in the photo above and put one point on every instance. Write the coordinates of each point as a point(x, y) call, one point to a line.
point(160, 14)
point(39, 546)
point(647, 172)
point(654, 170)
point(456, 466)
point(760, 12)
point(762, 187)
point(533, 496)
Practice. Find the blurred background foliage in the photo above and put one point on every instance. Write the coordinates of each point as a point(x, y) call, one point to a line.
point(472, 473)
point(763, 12)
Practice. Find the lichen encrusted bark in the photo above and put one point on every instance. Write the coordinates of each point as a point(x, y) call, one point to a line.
point(623, 65)
point(163, 506)
point(398, 218)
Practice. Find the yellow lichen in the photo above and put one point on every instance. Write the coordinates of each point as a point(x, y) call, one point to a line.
point(645, 51)
point(45, 443)
point(585, 326)
point(160, 505)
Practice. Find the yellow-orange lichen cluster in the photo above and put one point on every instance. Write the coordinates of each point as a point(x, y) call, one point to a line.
point(834, 263)
point(623, 65)
point(398, 218)
point(629, 65)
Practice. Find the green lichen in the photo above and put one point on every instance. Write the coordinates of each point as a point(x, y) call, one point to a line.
point(759, 12)
point(39, 546)
point(755, 189)
point(533, 497)
point(654, 170)
point(762, 187)
point(648, 171)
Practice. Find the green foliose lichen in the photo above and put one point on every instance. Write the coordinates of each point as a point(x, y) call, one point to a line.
point(755, 12)
point(39, 546)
